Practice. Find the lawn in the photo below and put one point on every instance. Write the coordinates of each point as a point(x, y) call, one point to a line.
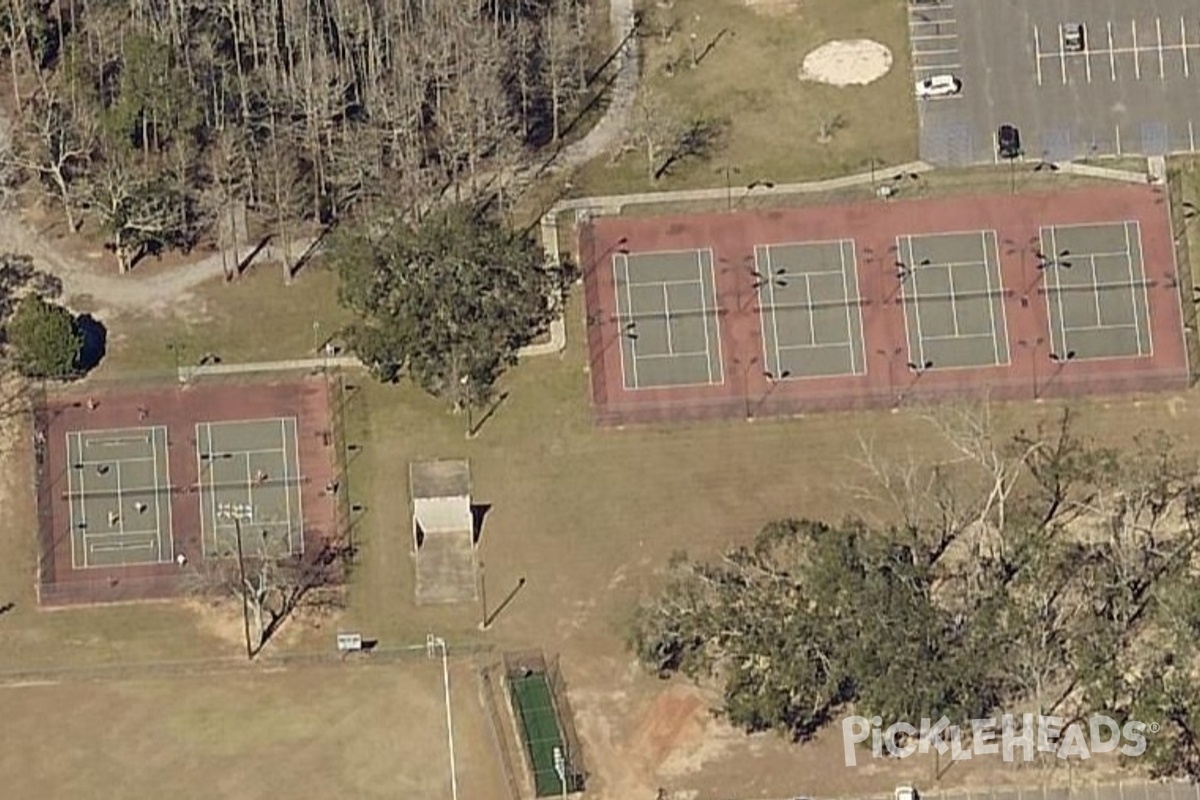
point(338, 731)
point(750, 78)
point(232, 321)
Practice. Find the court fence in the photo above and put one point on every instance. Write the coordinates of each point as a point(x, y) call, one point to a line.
point(1182, 227)
point(520, 667)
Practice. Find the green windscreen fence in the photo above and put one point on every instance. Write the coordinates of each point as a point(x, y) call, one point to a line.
point(543, 734)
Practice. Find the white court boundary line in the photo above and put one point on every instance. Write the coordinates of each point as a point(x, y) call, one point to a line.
point(710, 314)
point(82, 525)
point(904, 292)
point(299, 520)
point(622, 333)
point(768, 283)
point(1140, 285)
point(992, 263)
point(862, 336)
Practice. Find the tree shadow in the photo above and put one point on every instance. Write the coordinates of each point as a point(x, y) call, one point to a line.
point(95, 342)
point(303, 587)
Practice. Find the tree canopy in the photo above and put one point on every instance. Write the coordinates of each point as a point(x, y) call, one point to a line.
point(44, 338)
point(152, 118)
point(1041, 573)
point(448, 301)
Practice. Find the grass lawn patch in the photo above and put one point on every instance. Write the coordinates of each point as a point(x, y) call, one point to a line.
point(256, 318)
point(750, 78)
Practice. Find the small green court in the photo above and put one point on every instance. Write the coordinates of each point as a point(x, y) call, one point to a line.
point(1095, 288)
point(810, 309)
point(119, 497)
point(953, 298)
point(250, 481)
point(667, 309)
point(534, 703)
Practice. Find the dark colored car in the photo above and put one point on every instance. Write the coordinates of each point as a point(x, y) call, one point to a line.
point(1008, 141)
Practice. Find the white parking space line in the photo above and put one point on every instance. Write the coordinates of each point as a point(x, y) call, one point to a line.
point(936, 67)
point(1112, 55)
point(1137, 61)
point(1162, 73)
point(1118, 129)
point(1087, 61)
point(1183, 45)
point(1037, 52)
point(950, 52)
point(1062, 57)
point(1191, 137)
point(928, 37)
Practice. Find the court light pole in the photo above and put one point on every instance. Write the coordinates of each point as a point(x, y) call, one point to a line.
point(1060, 360)
point(774, 380)
point(1033, 345)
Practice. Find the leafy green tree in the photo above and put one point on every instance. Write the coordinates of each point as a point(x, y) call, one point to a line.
point(448, 301)
point(45, 339)
point(1048, 574)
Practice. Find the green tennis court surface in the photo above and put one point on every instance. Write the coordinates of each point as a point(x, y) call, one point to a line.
point(250, 476)
point(539, 725)
point(119, 497)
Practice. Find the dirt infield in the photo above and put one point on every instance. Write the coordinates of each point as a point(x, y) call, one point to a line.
point(1093, 322)
point(65, 424)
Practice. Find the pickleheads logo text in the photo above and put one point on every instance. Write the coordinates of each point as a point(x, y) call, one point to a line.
point(1014, 738)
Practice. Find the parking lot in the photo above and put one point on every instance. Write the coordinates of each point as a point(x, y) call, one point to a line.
point(1133, 89)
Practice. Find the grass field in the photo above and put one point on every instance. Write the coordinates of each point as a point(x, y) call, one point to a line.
point(751, 79)
point(318, 732)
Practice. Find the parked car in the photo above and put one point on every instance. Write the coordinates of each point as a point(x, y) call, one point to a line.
point(939, 86)
point(905, 793)
point(1072, 37)
point(1008, 141)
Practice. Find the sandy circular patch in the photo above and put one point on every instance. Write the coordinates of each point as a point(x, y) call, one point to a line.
point(851, 62)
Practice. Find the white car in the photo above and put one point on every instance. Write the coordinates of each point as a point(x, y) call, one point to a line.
point(939, 86)
point(905, 793)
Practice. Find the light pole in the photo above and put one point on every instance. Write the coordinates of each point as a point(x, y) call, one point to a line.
point(1033, 345)
point(237, 513)
point(918, 369)
point(774, 380)
point(1061, 360)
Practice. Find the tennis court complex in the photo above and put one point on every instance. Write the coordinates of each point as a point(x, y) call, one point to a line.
point(250, 477)
point(1095, 287)
point(953, 299)
point(667, 312)
point(810, 309)
point(118, 495)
